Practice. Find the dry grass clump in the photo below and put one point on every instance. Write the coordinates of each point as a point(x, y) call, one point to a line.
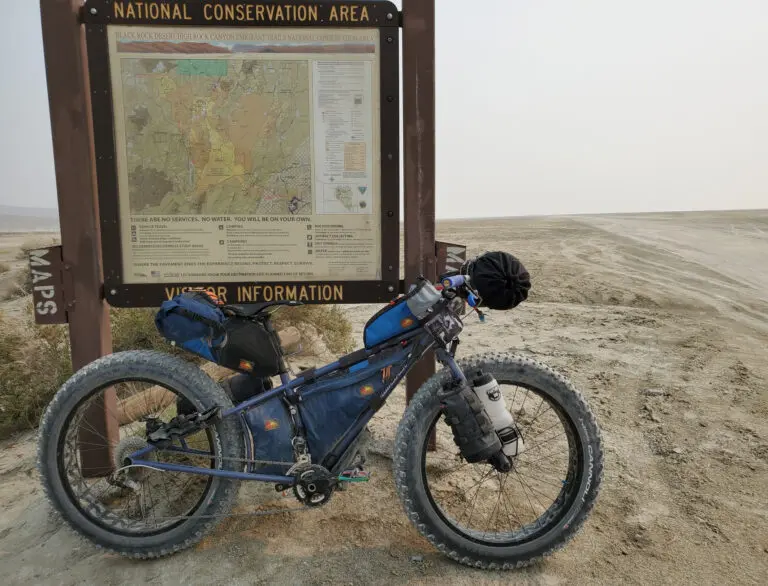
point(35, 243)
point(326, 321)
point(19, 285)
point(34, 363)
point(35, 360)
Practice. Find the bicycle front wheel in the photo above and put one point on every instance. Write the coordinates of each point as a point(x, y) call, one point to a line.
point(486, 519)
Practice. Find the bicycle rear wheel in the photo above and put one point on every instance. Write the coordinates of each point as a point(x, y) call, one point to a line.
point(486, 519)
point(138, 512)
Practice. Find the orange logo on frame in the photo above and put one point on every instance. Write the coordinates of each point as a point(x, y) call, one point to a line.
point(407, 322)
point(271, 424)
point(366, 390)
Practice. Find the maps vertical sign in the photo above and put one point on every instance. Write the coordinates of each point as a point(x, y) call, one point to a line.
point(247, 147)
point(46, 270)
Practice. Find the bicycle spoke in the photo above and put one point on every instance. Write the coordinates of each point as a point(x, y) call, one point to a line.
point(135, 497)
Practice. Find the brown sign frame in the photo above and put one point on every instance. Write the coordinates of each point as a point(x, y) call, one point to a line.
point(384, 16)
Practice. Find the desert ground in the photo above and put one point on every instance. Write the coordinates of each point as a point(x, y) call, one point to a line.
point(661, 320)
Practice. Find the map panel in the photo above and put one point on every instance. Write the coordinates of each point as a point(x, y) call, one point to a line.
point(247, 155)
point(217, 136)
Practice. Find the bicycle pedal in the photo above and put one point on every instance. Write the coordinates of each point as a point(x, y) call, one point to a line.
point(355, 475)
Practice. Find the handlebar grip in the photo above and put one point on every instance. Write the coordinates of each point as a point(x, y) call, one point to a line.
point(454, 281)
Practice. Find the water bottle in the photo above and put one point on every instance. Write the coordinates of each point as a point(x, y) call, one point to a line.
point(487, 390)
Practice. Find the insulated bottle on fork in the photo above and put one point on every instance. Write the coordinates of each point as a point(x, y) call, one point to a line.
point(487, 390)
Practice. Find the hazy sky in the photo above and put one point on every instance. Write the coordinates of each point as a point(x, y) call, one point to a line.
point(543, 106)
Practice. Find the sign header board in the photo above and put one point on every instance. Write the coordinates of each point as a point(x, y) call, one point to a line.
point(245, 153)
point(242, 13)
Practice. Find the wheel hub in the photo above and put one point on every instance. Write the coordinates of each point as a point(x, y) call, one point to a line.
point(121, 458)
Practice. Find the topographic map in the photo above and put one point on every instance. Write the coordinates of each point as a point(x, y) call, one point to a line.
point(213, 136)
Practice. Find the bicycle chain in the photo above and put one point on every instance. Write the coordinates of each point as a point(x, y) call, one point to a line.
point(252, 513)
point(224, 458)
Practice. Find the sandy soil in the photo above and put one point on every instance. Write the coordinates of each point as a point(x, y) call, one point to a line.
point(661, 320)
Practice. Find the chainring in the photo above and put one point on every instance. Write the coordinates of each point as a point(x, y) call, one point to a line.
point(313, 485)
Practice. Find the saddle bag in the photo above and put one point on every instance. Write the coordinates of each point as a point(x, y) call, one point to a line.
point(197, 322)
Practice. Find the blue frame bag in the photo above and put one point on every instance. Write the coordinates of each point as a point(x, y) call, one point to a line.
point(332, 404)
point(401, 315)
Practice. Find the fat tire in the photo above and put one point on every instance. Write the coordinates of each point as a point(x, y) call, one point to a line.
point(407, 465)
point(164, 369)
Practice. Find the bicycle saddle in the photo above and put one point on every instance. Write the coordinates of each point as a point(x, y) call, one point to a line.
point(251, 309)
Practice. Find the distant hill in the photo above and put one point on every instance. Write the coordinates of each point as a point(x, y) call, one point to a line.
point(24, 219)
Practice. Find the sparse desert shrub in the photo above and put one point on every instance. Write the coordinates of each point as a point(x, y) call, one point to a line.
point(20, 285)
point(327, 320)
point(34, 363)
point(4, 268)
point(134, 329)
point(36, 242)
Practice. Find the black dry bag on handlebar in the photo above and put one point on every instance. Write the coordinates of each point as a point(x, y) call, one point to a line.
point(501, 279)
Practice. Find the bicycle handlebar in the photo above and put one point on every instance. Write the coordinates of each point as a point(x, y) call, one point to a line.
point(461, 282)
point(454, 281)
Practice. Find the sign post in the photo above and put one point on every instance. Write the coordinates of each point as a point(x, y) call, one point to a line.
point(419, 153)
point(87, 314)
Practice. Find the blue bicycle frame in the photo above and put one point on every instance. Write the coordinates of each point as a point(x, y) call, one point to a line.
point(418, 339)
